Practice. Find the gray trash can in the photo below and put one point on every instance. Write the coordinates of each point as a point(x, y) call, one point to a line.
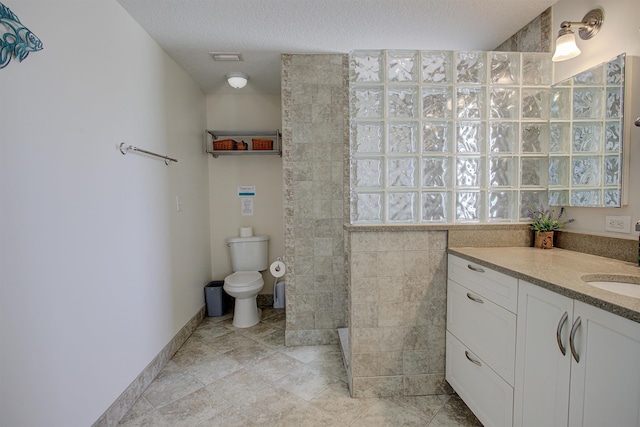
point(216, 298)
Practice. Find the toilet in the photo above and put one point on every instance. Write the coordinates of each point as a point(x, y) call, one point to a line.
point(249, 256)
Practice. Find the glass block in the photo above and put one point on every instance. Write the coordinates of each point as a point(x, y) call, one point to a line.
point(401, 207)
point(535, 138)
point(470, 137)
point(366, 207)
point(558, 198)
point(436, 67)
point(560, 103)
point(436, 102)
point(591, 77)
point(586, 171)
point(502, 137)
point(437, 137)
point(614, 103)
point(505, 68)
point(367, 172)
point(401, 172)
point(612, 137)
point(471, 67)
point(559, 137)
point(468, 206)
point(366, 66)
point(587, 137)
point(588, 103)
point(502, 172)
point(367, 137)
point(470, 103)
point(402, 137)
point(435, 206)
point(615, 71)
point(611, 198)
point(436, 172)
point(559, 171)
point(366, 102)
point(402, 66)
point(585, 198)
point(501, 206)
point(611, 170)
point(535, 104)
point(402, 102)
point(531, 199)
point(536, 69)
point(534, 171)
point(504, 103)
point(469, 171)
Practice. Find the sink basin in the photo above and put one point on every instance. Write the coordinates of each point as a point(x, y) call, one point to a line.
point(622, 285)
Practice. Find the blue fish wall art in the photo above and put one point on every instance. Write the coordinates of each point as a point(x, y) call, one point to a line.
point(16, 40)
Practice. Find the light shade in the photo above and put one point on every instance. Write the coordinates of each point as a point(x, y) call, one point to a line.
point(566, 47)
point(237, 80)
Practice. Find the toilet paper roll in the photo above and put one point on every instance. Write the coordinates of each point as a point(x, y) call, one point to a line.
point(246, 232)
point(277, 269)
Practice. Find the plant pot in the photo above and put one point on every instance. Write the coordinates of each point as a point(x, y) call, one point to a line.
point(543, 239)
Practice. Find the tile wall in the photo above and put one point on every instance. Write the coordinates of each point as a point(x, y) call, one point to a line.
point(315, 148)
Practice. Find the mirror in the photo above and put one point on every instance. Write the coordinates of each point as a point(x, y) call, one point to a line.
point(586, 129)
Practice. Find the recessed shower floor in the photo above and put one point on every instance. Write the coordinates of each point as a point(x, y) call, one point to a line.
point(225, 376)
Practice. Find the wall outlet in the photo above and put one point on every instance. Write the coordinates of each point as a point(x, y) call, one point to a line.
point(618, 224)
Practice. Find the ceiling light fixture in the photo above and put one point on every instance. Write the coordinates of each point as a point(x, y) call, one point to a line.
point(237, 80)
point(566, 47)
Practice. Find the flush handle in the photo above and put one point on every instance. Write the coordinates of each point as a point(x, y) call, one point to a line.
point(563, 320)
point(474, 268)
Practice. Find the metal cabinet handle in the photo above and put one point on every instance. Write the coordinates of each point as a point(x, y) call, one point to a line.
point(474, 299)
point(575, 327)
point(474, 268)
point(563, 320)
point(471, 359)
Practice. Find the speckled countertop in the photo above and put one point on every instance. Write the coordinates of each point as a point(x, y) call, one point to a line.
point(561, 271)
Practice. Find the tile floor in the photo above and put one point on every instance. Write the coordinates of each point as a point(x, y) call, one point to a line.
point(225, 376)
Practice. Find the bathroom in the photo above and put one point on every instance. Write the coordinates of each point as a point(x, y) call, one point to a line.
point(93, 308)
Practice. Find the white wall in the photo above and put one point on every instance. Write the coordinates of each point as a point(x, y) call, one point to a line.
point(620, 33)
point(98, 270)
point(226, 173)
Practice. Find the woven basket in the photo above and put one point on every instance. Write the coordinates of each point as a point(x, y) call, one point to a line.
point(224, 144)
point(262, 144)
point(242, 146)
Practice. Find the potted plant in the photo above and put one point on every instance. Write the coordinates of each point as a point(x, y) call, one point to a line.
point(544, 223)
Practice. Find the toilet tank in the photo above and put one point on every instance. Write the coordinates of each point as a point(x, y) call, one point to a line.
point(249, 253)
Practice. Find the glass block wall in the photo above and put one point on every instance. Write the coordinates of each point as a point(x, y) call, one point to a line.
point(585, 153)
point(448, 137)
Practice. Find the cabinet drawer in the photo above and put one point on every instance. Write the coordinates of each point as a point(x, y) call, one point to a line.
point(487, 395)
point(484, 327)
point(490, 284)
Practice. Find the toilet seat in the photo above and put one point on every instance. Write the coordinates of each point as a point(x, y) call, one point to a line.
point(243, 278)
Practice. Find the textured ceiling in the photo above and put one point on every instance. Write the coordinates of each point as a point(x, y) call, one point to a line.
point(263, 29)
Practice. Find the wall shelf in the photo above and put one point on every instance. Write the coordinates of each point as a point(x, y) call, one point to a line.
point(210, 136)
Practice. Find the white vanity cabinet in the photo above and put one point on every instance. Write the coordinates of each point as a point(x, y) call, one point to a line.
point(481, 339)
point(576, 365)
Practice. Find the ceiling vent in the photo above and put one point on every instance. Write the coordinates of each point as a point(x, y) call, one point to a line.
point(226, 56)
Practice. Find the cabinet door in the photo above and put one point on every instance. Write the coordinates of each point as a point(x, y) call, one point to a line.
point(605, 383)
point(541, 395)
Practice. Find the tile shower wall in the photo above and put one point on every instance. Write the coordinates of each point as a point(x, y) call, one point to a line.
point(315, 146)
point(448, 137)
point(398, 313)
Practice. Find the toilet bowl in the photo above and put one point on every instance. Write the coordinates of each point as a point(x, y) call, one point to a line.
point(244, 286)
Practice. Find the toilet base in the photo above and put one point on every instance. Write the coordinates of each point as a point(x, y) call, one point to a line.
point(246, 312)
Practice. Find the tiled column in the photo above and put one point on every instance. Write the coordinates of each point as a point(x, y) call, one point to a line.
point(398, 313)
point(315, 146)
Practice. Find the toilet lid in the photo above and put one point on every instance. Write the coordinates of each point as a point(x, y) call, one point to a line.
point(243, 278)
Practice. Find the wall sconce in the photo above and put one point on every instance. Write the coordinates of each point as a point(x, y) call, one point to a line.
point(237, 80)
point(566, 47)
